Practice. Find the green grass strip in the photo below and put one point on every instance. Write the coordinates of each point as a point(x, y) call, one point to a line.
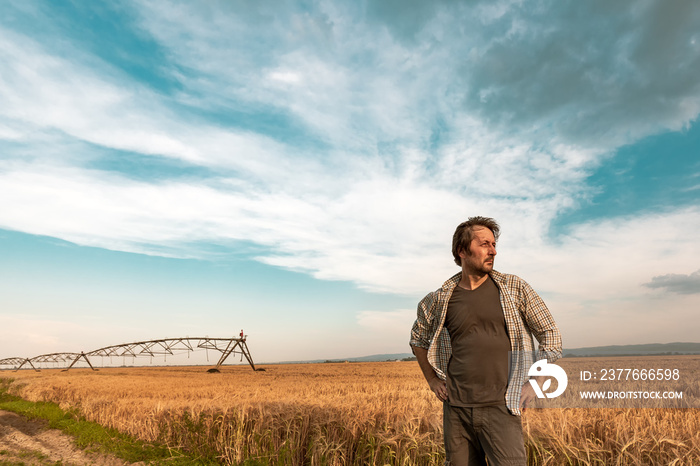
point(92, 436)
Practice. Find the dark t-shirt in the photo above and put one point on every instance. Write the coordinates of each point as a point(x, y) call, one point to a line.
point(477, 374)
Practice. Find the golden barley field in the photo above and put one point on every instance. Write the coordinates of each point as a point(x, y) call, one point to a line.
point(346, 414)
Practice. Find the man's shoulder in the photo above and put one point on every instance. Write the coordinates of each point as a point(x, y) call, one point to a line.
point(508, 280)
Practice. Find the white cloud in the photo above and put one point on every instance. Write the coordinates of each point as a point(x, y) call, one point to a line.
point(288, 77)
point(677, 283)
point(11, 133)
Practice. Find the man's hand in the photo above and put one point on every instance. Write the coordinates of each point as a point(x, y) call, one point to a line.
point(526, 396)
point(438, 387)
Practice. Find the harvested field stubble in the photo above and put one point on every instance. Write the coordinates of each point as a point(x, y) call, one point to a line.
point(338, 414)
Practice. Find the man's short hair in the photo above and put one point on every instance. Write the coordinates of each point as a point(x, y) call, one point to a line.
point(465, 233)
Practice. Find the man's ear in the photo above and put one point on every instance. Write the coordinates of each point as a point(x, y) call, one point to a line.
point(462, 253)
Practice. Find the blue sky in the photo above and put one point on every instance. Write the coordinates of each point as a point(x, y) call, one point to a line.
point(297, 169)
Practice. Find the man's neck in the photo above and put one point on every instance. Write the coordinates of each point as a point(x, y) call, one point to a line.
point(472, 280)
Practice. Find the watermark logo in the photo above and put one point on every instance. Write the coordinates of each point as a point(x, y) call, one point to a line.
point(544, 369)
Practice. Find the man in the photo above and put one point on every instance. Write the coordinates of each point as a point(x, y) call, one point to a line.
point(473, 342)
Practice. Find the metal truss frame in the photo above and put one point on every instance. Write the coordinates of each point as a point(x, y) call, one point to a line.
point(165, 346)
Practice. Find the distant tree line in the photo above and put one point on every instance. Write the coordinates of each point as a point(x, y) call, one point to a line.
point(603, 355)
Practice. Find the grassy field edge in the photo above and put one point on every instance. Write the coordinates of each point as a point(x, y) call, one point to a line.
point(93, 437)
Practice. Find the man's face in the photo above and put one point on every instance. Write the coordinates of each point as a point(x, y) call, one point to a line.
point(483, 252)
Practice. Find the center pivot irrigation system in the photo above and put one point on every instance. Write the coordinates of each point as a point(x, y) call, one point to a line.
point(166, 346)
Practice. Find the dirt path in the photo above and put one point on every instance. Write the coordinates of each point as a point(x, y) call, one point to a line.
point(30, 442)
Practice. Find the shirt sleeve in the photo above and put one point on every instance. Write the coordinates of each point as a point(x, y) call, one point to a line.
point(542, 325)
point(421, 331)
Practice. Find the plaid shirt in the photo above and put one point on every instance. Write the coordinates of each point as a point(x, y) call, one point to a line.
point(525, 314)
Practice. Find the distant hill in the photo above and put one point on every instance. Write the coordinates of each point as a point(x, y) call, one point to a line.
point(371, 358)
point(635, 350)
point(591, 351)
point(613, 350)
point(381, 357)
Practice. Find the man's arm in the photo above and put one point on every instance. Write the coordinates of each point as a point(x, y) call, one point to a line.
point(437, 385)
point(422, 334)
point(541, 323)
